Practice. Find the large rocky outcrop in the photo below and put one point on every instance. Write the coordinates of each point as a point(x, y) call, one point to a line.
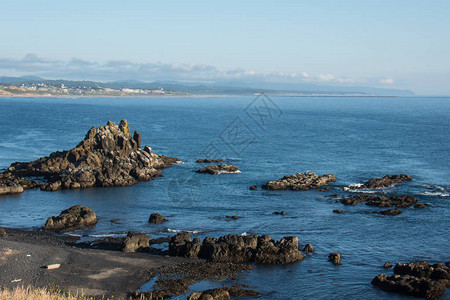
point(235, 248)
point(108, 156)
point(418, 279)
point(300, 182)
point(73, 218)
point(386, 181)
point(218, 169)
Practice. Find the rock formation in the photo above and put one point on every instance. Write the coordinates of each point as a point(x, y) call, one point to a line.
point(335, 258)
point(218, 169)
point(223, 293)
point(235, 248)
point(386, 181)
point(208, 160)
point(73, 218)
point(399, 201)
point(300, 182)
point(157, 219)
point(108, 156)
point(136, 241)
point(418, 279)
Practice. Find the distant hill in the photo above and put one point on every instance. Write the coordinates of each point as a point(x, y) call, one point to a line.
point(216, 88)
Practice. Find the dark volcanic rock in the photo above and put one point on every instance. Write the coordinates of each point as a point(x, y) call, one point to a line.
point(157, 219)
point(236, 248)
point(208, 160)
point(253, 188)
point(136, 241)
point(399, 201)
point(418, 279)
point(73, 218)
point(300, 182)
point(391, 212)
point(386, 181)
point(108, 156)
point(218, 169)
point(335, 258)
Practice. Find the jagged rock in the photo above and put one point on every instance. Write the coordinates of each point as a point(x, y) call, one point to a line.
point(73, 218)
point(387, 265)
point(300, 182)
point(335, 258)
point(108, 156)
point(2, 232)
point(157, 219)
point(136, 241)
point(11, 184)
point(418, 279)
point(386, 181)
point(253, 188)
point(218, 169)
point(308, 248)
point(236, 248)
point(338, 211)
point(208, 160)
point(391, 212)
point(399, 201)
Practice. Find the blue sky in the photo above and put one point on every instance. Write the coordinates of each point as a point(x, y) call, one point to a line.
point(395, 44)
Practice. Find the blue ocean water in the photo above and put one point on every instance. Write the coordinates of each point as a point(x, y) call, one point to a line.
point(353, 137)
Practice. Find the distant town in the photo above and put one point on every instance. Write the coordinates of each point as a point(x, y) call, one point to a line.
point(30, 86)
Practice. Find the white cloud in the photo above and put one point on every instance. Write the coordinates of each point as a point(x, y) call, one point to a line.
point(387, 80)
point(77, 69)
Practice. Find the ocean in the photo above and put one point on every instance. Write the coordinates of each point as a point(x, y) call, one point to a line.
point(355, 138)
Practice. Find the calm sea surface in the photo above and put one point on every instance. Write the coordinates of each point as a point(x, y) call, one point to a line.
point(354, 138)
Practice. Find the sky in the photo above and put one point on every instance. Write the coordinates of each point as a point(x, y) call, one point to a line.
point(402, 44)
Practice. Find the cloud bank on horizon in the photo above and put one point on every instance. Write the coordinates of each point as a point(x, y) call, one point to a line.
point(113, 70)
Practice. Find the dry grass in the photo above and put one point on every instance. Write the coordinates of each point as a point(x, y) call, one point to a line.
point(30, 293)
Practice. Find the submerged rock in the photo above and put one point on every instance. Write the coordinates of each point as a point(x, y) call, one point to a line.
point(218, 169)
point(157, 219)
point(391, 212)
point(108, 156)
point(208, 160)
point(300, 182)
point(236, 248)
point(253, 188)
point(73, 218)
point(418, 279)
point(136, 241)
point(386, 181)
point(338, 211)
